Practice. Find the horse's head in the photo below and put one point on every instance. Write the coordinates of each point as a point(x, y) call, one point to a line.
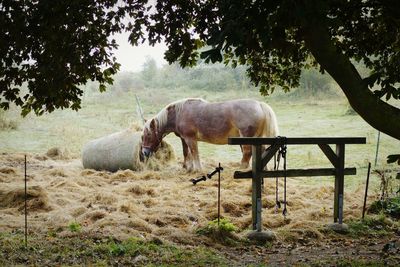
point(150, 138)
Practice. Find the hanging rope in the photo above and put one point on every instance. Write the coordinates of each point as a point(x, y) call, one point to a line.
point(284, 150)
point(281, 154)
point(276, 167)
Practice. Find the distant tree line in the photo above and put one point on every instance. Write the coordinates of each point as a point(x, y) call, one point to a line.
point(209, 77)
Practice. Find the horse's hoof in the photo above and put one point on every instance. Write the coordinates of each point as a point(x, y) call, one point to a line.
point(244, 165)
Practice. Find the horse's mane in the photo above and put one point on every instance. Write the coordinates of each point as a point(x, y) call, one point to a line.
point(162, 116)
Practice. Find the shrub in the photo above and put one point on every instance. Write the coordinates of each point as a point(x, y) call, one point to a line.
point(6, 123)
point(389, 206)
point(371, 226)
point(222, 232)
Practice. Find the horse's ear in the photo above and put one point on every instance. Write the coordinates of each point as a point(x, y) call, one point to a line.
point(153, 124)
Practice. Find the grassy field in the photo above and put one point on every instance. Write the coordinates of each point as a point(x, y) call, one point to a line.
point(102, 114)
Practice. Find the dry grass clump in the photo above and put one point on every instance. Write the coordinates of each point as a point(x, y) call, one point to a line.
point(233, 209)
point(139, 190)
point(303, 234)
point(127, 208)
point(105, 198)
point(317, 214)
point(88, 172)
point(139, 225)
point(57, 153)
point(150, 175)
point(8, 170)
point(123, 175)
point(57, 172)
point(78, 211)
point(37, 199)
point(150, 202)
point(94, 216)
point(176, 235)
point(178, 221)
point(8, 174)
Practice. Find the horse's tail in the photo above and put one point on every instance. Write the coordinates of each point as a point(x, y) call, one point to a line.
point(271, 123)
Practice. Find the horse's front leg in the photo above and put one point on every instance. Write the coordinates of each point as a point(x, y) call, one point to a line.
point(194, 151)
point(187, 163)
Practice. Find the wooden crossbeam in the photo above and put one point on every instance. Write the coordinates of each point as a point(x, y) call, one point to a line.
point(294, 173)
point(333, 158)
point(296, 140)
point(268, 154)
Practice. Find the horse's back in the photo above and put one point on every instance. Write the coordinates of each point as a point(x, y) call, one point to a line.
point(215, 122)
point(253, 117)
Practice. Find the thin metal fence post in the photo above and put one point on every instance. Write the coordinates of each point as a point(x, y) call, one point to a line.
point(26, 209)
point(366, 189)
point(219, 191)
point(377, 147)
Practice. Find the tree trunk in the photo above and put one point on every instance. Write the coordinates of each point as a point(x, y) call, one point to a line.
point(374, 111)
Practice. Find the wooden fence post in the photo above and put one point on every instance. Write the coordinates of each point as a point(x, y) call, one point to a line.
point(256, 188)
point(339, 185)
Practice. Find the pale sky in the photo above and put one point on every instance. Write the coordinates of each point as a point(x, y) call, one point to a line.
point(132, 58)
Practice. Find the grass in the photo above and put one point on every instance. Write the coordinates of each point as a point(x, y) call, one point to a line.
point(106, 113)
point(101, 251)
point(222, 232)
point(74, 227)
point(102, 114)
point(372, 226)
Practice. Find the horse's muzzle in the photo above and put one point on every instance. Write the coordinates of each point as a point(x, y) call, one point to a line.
point(146, 152)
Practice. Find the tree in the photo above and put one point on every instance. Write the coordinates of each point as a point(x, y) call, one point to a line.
point(149, 70)
point(275, 39)
point(56, 46)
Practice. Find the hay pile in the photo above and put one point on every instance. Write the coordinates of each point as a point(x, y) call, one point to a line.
point(121, 151)
point(37, 199)
point(155, 203)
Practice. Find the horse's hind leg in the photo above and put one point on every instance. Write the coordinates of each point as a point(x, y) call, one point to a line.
point(194, 151)
point(246, 155)
point(246, 149)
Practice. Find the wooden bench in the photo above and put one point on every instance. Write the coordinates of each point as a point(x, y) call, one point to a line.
point(260, 159)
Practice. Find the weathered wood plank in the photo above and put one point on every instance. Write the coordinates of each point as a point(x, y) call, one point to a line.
point(296, 140)
point(256, 204)
point(268, 154)
point(329, 154)
point(294, 173)
point(339, 185)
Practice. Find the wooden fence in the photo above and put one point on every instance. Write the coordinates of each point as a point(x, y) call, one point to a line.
point(260, 159)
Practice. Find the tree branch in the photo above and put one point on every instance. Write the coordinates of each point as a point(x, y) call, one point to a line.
point(374, 111)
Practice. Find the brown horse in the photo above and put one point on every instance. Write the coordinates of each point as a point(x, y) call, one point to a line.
point(195, 120)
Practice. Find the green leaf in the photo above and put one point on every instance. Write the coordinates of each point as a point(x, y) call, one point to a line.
point(393, 158)
point(372, 79)
point(102, 87)
point(213, 55)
